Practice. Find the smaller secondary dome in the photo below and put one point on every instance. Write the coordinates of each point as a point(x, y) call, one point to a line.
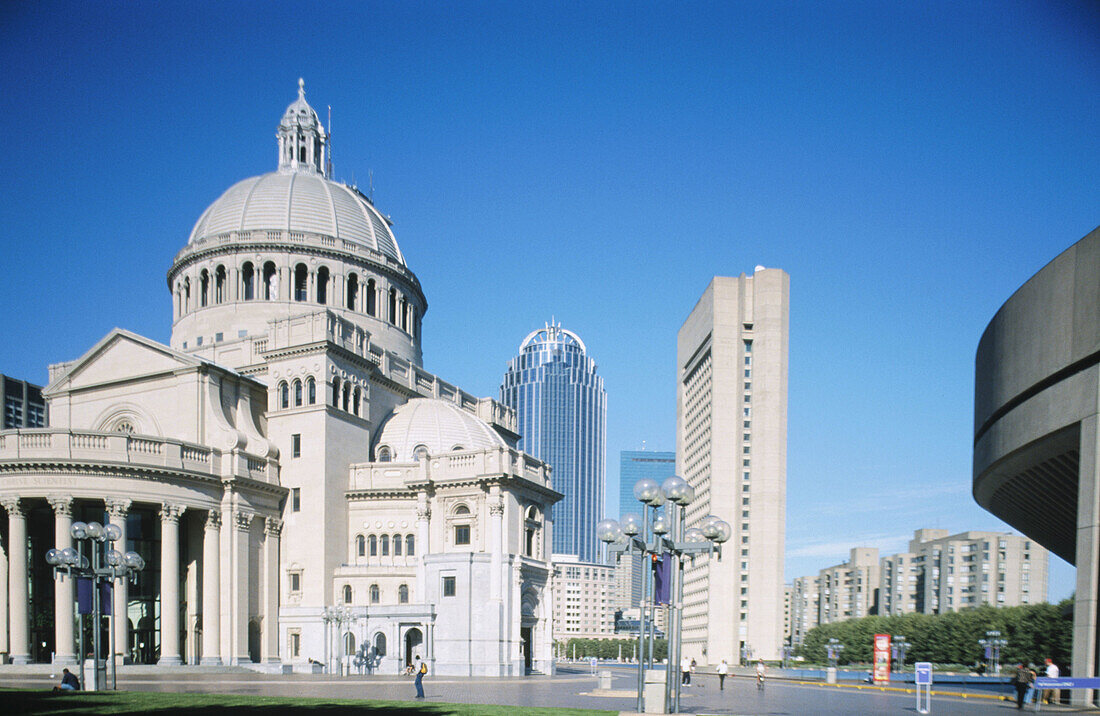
point(437, 425)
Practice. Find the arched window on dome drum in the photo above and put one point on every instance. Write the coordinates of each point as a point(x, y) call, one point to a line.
point(347, 594)
point(402, 314)
point(311, 391)
point(187, 294)
point(301, 282)
point(372, 291)
point(403, 594)
point(414, 327)
point(393, 306)
point(284, 395)
point(385, 545)
point(335, 391)
point(375, 596)
point(347, 395)
point(355, 402)
point(360, 546)
point(297, 392)
point(248, 280)
point(204, 287)
point(271, 282)
point(410, 545)
point(353, 291)
point(219, 285)
point(372, 544)
point(397, 545)
point(302, 153)
point(384, 454)
point(322, 285)
point(420, 453)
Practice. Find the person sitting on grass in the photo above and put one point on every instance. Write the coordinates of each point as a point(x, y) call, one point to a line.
point(69, 682)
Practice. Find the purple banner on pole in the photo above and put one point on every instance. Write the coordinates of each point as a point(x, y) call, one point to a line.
point(662, 578)
point(84, 595)
point(105, 600)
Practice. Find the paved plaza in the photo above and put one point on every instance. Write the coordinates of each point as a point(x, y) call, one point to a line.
point(571, 687)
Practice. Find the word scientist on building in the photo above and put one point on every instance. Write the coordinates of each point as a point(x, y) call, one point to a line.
point(285, 455)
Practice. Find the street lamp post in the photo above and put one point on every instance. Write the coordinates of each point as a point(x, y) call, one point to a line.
point(993, 643)
point(106, 566)
point(901, 646)
point(668, 537)
point(335, 618)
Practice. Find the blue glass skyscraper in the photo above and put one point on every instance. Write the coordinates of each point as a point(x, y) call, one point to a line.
point(635, 465)
point(561, 410)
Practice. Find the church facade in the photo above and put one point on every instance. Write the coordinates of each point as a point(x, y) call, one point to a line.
point(300, 487)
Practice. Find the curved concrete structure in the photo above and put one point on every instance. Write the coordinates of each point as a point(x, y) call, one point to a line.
point(1036, 398)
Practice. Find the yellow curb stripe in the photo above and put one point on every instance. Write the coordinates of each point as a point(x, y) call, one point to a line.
point(900, 689)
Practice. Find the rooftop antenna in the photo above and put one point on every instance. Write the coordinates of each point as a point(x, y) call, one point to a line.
point(329, 162)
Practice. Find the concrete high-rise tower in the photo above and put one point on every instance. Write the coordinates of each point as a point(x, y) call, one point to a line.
point(731, 445)
point(561, 412)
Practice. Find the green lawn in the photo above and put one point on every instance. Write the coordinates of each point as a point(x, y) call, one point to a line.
point(13, 701)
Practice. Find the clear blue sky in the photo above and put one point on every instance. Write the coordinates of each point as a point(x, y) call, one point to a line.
point(909, 164)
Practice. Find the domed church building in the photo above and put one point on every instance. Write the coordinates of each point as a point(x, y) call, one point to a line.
point(301, 488)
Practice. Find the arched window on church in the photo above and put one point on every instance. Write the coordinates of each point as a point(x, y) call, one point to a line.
point(413, 328)
point(204, 287)
point(410, 545)
point(403, 594)
point(384, 454)
point(271, 282)
point(393, 306)
point(302, 153)
point(375, 598)
point(301, 282)
point(335, 391)
point(402, 314)
point(347, 395)
point(186, 294)
point(397, 545)
point(371, 297)
point(219, 285)
point(311, 391)
point(360, 546)
point(322, 285)
point(355, 401)
point(353, 291)
point(284, 395)
point(385, 545)
point(297, 392)
point(380, 643)
point(347, 594)
point(248, 280)
point(372, 544)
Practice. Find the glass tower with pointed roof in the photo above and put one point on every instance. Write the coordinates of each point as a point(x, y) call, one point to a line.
point(561, 415)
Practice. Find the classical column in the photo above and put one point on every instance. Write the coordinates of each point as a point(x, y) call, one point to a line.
point(3, 602)
point(272, 527)
point(117, 510)
point(496, 518)
point(240, 591)
point(211, 593)
point(170, 585)
point(423, 515)
point(18, 598)
point(63, 596)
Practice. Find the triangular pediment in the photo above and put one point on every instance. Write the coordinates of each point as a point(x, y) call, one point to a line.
point(120, 355)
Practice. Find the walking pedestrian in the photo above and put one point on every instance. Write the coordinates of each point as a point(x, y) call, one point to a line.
point(722, 669)
point(420, 678)
point(1052, 673)
point(685, 671)
point(1021, 681)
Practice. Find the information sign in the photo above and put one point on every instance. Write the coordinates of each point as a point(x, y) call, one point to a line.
point(924, 673)
point(882, 658)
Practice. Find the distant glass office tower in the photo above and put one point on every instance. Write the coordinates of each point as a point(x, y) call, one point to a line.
point(561, 410)
point(635, 465)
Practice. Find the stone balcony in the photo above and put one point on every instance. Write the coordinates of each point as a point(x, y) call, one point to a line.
point(55, 445)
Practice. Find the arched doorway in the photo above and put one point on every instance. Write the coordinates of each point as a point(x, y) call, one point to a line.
point(414, 639)
point(529, 607)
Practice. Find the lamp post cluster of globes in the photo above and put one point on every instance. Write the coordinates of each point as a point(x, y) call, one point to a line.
point(993, 644)
point(107, 564)
point(336, 619)
point(656, 534)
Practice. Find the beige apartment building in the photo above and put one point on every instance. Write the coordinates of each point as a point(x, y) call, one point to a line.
point(968, 569)
point(805, 603)
point(849, 590)
point(584, 598)
point(731, 446)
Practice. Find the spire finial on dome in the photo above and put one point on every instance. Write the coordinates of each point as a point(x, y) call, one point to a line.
point(301, 88)
point(302, 137)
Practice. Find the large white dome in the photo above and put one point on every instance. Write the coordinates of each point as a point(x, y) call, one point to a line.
point(299, 202)
point(437, 425)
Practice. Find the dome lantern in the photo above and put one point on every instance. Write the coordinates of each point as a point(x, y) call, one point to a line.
point(302, 137)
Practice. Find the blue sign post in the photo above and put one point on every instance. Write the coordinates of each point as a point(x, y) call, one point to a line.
point(1047, 682)
point(923, 681)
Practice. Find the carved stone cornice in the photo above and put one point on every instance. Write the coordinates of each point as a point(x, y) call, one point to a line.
point(496, 507)
point(11, 504)
point(62, 505)
point(213, 520)
point(273, 526)
point(423, 512)
point(117, 507)
point(243, 519)
point(171, 512)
